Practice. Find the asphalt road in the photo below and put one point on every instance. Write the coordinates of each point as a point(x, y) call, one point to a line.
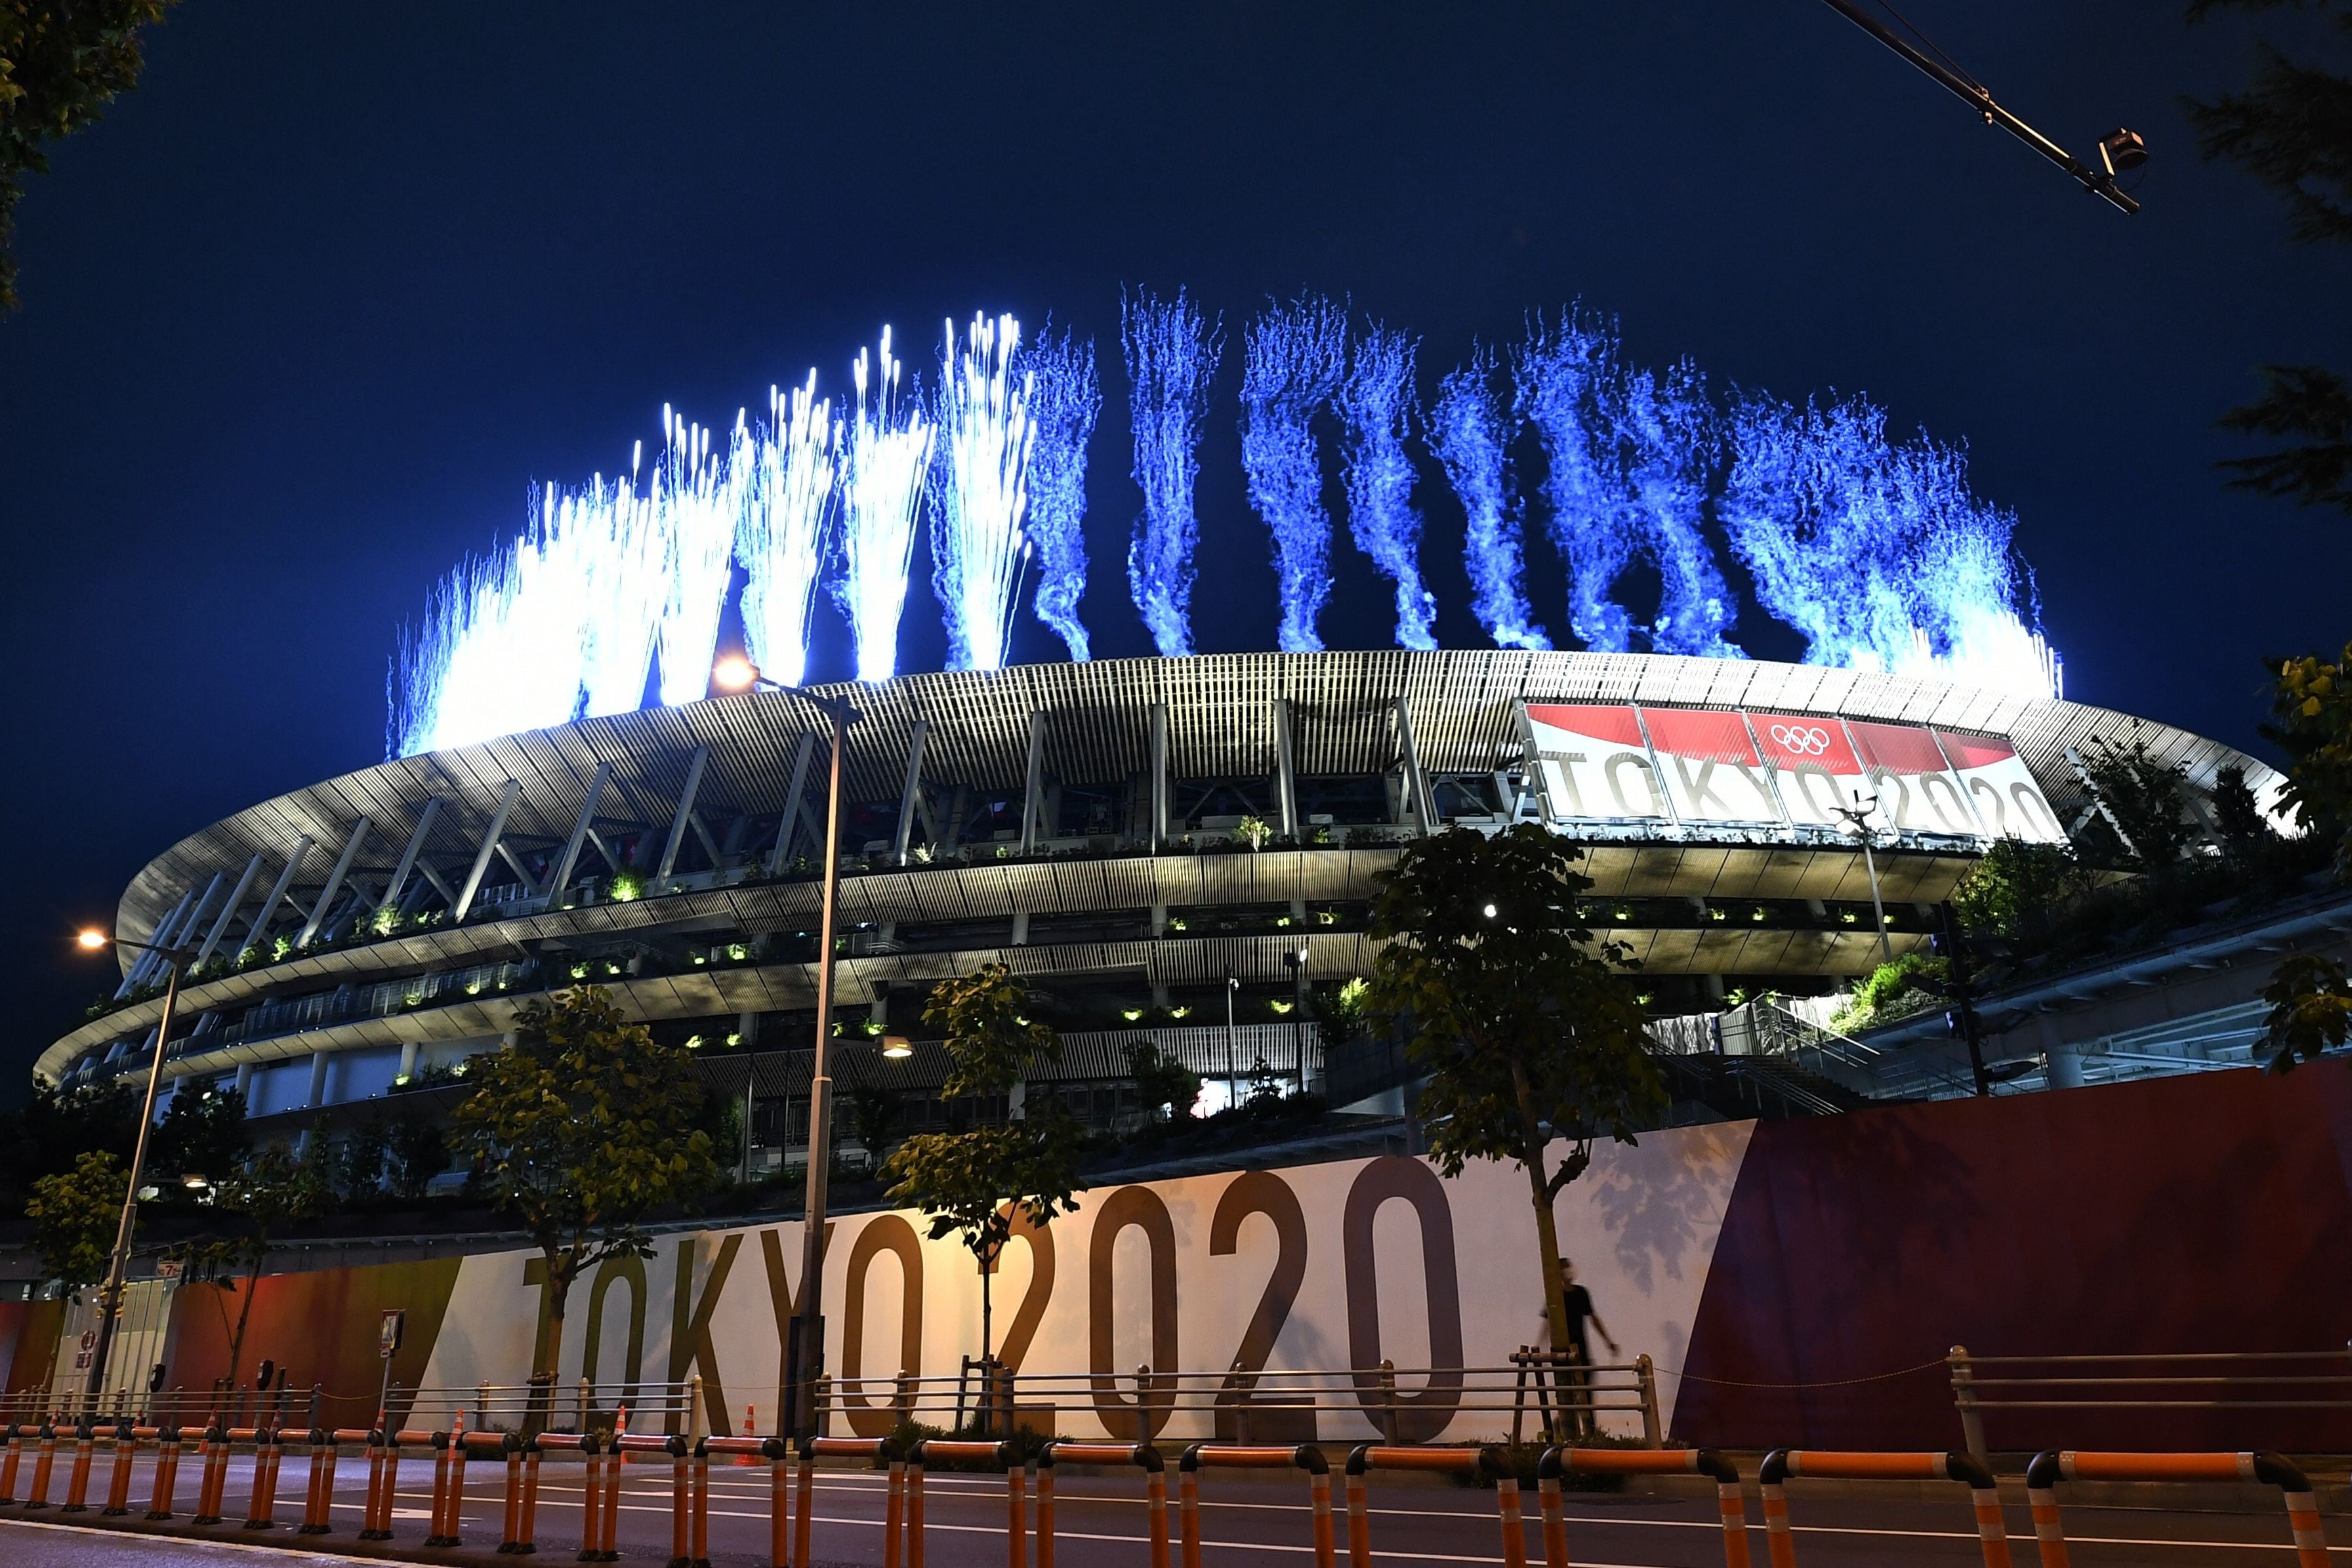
point(1101, 1524)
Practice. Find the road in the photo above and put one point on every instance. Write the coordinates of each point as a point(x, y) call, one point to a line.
point(1101, 1524)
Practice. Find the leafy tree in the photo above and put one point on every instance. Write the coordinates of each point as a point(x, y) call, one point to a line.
point(75, 1216)
point(420, 1151)
point(2311, 720)
point(2140, 799)
point(976, 1184)
point(202, 1134)
point(581, 1129)
point(2237, 815)
point(1880, 996)
point(61, 61)
point(359, 1167)
point(268, 1192)
point(2311, 1009)
point(55, 1127)
point(1163, 1081)
point(1528, 1028)
point(2291, 130)
point(875, 1112)
point(991, 1041)
point(2016, 887)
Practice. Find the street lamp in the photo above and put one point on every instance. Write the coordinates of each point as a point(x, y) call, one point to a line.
point(1854, 821)
point(804, 1355)
point(110, 1295)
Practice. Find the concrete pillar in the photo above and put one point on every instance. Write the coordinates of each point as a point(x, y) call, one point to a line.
point(408, 1059)
point(245, 1083)
point(2065, 1066)
point(1020, 927)
point(318, 1095)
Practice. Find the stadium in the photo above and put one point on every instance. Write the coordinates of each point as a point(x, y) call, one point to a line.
point(1174, 849)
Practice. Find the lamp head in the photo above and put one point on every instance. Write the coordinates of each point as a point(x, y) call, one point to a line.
point(735, 673)
point(91, 938)
point(897, 1048)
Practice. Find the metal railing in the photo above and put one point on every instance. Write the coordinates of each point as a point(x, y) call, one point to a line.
point(2189, 1381)
point(523, 1407)
point(1536, 1390)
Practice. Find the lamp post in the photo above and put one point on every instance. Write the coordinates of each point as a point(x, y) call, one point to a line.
point(1854, 821)
point(805, 1352)
point(110, 1295)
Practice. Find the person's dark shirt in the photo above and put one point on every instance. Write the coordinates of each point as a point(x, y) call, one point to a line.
point(1578, 1302)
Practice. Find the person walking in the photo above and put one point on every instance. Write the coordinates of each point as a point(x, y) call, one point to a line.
point(1574, 1384)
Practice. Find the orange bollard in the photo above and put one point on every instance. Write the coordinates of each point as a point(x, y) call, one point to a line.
point(15, 1453)
point(1000, 1454)
point(870, 1449)
point(118, 1486)
point(697, 1545)
point(894, 1513)
point(383, 1468)
point(1242, 1456)
point(261, 1508)
point(77, 1478)
point(609, 1531)
point(1559, 1461)
point(780, 1501)
point(45, 1459)
point(591, 1504)
point(1471, 1462)
point(167, 1473)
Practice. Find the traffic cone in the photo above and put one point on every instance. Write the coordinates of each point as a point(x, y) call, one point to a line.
point(748, 1461)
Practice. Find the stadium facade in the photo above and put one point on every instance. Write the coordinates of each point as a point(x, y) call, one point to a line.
point(1147, 842)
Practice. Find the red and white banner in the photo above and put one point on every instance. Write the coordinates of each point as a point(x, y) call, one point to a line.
point(2008, 803)
point(1710, 766)
point(1915, 785)
point(1819, 773)
point(1596, 766)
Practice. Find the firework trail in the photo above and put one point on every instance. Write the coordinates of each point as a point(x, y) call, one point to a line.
point(1293, 360)
point(1064, 399)
point(982, 500)
point(1377, 405)
point(1171, 354)
point(887, 452)
point(1471, 434)
point(781, 536)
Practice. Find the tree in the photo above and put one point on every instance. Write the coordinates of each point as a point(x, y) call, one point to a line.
point(420, 1151)
point(75, 1216)
point(2311, 721)
point(2139, 798)
point(359, 1170)
point(873, 1114)
point(1162, 1080)
point(55, 1127)
point(1528, 1028)
point(2016, 889)
point(269, 1191)
point(61, 61)
point(978, 1183)
point(579, 1131)
point(2311, 1009)
point(202, 1134)
point(2291, 130)
point(991, 1041)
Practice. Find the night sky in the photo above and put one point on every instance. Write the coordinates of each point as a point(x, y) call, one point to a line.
point(308, 314)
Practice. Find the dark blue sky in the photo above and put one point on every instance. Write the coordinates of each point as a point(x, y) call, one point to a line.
point(308, 313)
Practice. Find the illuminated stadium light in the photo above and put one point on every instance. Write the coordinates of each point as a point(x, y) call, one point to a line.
point(1172, 353)
point(1470, 435)
point(697, 502)
point(978, 548)
point(1378, 404)
point(885, 453)
point(1292, 361)
point(781, 536)
point(1064, 399)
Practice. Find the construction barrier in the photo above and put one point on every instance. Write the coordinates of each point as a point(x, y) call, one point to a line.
point(998, 1453)
point(749, 1450)
point(1992, 1534)
point(1560, 1462)
point(161, 1498)
point(681, 1488)
point(868, 1448)
point(383, 1471)
point(2042, 1476)
point(1470, 1462)
point(77, 1478)
point(1249, 1457)
point(1143, 1456)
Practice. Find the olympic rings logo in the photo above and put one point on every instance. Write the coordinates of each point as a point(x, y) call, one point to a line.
point(1805, 740)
